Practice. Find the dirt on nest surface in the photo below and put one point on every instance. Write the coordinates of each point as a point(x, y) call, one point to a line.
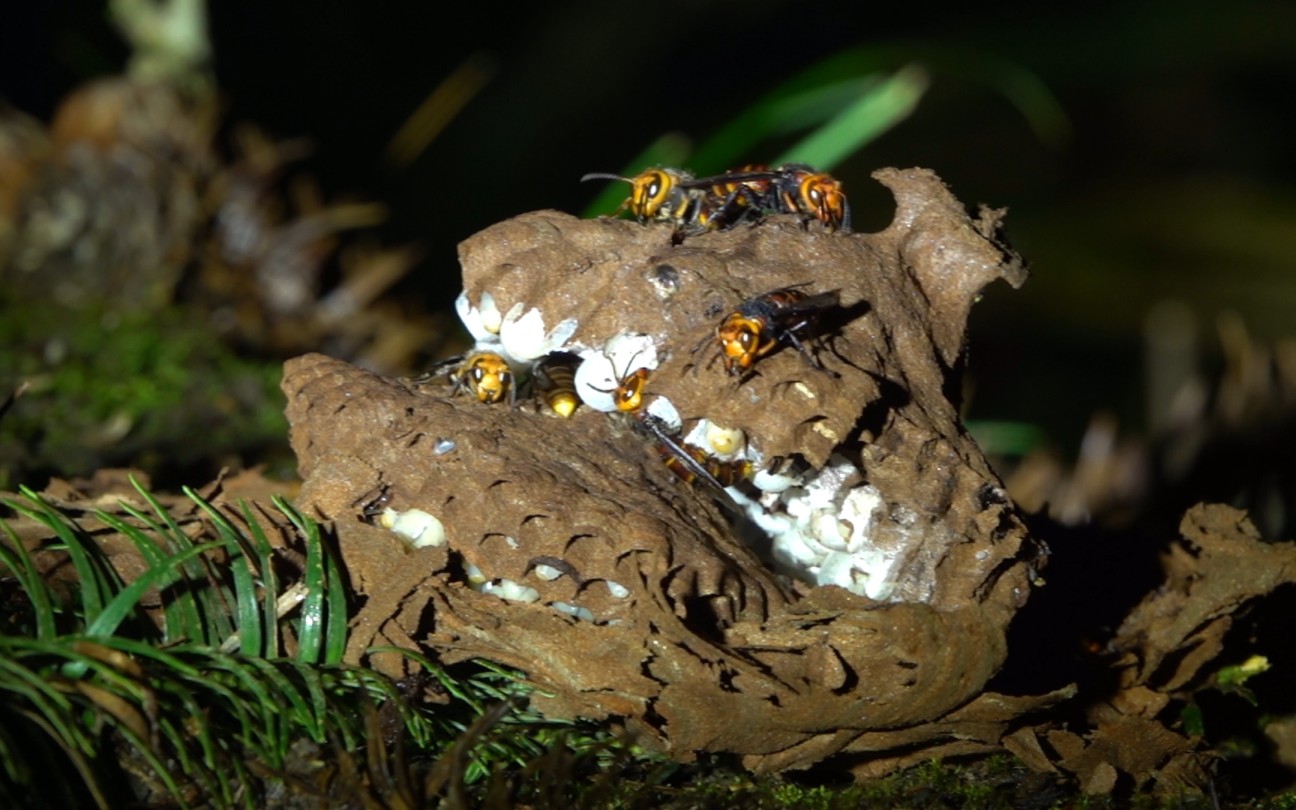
point(665, 606)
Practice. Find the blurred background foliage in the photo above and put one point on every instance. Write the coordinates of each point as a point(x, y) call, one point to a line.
point(1143, 149)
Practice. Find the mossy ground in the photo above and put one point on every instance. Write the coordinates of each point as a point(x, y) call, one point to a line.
point(152, 389)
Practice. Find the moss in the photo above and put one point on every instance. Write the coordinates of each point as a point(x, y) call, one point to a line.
point(109, 388)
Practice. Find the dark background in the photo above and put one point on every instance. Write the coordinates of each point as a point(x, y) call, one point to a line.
point(1172, 180)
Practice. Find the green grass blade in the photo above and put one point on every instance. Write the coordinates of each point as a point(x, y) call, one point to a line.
point(79, 760)
point(173, 529)
point(335, 636)
point(184, 608)
point(251, 641)
point(23, 568)
point(269, 582)
point(97, 584)
point(205, 770)
point(16, 769)
point(778, 113)
point(205, 585)
point(1032, 97)
point(180, 610)
point(816, 98)
point(259, 712)
point(21, 682)
point(870, 115)
point(1006, 438)
point(319, 713)
point(245, 592)
point(128, 598)
point(167, 659)
point(160, 769)
point(310, 637)
point(454, 687)
point(298, 708)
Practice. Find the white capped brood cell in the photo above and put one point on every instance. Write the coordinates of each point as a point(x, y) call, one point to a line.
point(523, 336)
point(482, 321)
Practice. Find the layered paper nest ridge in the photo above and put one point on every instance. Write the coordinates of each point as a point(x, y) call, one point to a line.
point(663, 612)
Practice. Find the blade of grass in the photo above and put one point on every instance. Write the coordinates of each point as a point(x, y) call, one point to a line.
point(160, 770)
point(893, 100)
point(812, 98)
point(1006, 438)
point(319, 715)
point(80, 761)
point(180, 612)
point(452, 686)
point(197, 692)
point(96, 583)
point(182, 608)
point(298, 708)
point(23, 568)
point(335, 637)
point(310, 636)
point(126, 600)
point(382, 690)
point(206, 775)
point(206, 586)
point(778, 113)
point(245, 593)
point(16, 769)
point(269, 583)
point(267, 737)
point(19, 680)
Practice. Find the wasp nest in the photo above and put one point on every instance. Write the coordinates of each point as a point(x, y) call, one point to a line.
point(848, 598)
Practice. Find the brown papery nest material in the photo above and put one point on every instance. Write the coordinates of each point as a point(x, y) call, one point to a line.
point(687, 634)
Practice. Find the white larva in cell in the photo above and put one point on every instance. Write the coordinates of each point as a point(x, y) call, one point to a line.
point(617, 590)
point(828, 530)
point(546, 572)
point(595, 381)
point(582, 613)
point(415, 526)
point(722, 442)
point(510, 590)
